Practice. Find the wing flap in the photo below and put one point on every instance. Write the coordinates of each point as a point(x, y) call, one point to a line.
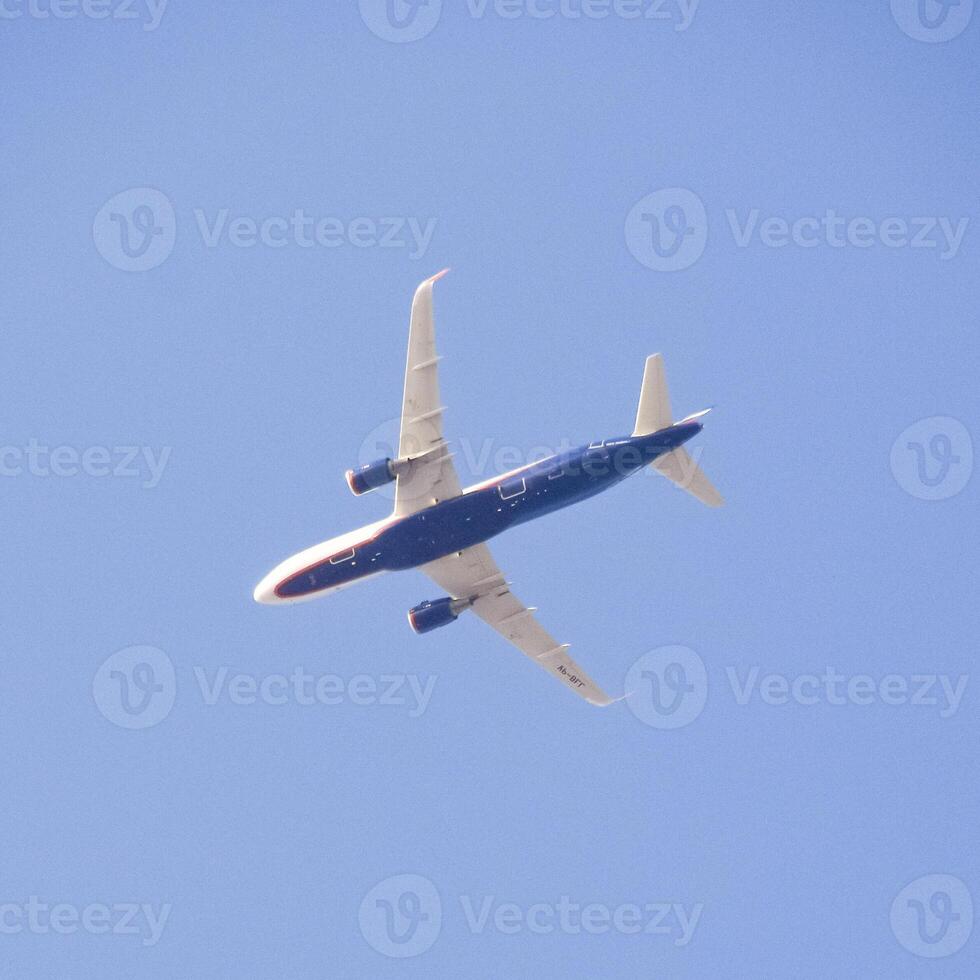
point(473, 574)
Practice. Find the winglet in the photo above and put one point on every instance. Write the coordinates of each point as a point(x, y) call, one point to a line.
point(609, 701)
point(424, 291)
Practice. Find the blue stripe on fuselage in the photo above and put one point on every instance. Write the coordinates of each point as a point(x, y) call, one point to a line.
point(481, 514)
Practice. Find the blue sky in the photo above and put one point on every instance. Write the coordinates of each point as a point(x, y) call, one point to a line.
point(213, 218)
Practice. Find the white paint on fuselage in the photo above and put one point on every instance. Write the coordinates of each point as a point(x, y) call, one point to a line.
point(265, 591)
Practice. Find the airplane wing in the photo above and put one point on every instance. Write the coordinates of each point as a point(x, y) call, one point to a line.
point(473, 574)
point(432, 477)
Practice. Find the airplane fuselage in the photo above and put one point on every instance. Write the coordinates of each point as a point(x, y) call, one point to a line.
point(480, 513)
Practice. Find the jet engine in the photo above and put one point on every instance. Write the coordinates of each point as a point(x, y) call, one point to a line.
point(430, 615)
point(382, 471)
point(371, 476)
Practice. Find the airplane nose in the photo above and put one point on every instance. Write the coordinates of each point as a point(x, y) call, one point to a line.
point(265, 591)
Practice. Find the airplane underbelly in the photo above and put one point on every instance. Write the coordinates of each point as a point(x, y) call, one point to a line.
point(449, 526)
point(328, 576)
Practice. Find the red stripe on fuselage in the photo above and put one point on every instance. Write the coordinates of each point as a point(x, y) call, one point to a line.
point(326, 561)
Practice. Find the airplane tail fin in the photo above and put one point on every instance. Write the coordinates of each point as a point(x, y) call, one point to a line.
point(653, 414)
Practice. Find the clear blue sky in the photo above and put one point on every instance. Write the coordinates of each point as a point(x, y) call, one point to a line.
point(250, 377)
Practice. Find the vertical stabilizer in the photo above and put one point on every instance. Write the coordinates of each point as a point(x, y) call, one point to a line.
point(653, 412)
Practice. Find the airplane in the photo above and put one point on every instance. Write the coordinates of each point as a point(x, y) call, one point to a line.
point(442, 529)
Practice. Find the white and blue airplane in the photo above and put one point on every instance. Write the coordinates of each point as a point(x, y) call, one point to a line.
point(441, 528)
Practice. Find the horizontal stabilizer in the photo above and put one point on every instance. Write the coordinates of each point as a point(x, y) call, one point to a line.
point(682, 471)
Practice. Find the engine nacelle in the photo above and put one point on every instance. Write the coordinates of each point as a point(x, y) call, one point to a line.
point(370, 477)
point(430, 615)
